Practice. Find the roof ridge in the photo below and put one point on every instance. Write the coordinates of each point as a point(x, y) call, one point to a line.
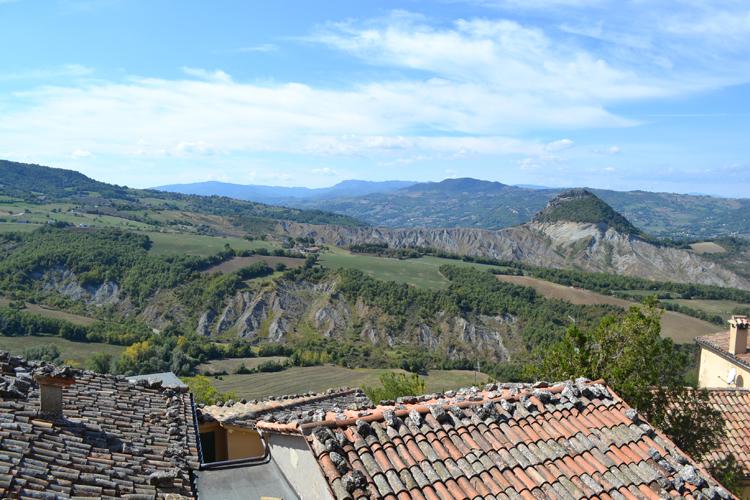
point(423, 407)
point(288, 400)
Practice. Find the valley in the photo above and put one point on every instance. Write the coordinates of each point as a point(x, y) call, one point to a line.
point(190, 283)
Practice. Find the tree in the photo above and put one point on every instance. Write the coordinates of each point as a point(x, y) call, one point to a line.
point(728, 472)
point(395, 385)
point(46, 352)
point(100, 362)
point(204, 392)
point(645, 369)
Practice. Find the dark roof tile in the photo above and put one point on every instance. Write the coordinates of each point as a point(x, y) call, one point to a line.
point(509, 442)
point(114, 438)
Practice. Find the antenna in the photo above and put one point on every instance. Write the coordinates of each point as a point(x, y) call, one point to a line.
point(732, 376)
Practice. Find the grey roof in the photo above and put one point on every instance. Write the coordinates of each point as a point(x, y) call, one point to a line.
point(114, 439)
point(240, 483)
point(288, 409)
point(167, 379)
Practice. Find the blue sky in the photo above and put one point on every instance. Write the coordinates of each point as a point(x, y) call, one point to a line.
point(626, 94)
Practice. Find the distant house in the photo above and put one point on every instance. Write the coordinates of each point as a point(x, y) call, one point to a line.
point(725, 360)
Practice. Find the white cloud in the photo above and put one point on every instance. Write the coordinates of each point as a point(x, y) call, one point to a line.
point(80, 153)
point(211, 76)
point(475, 87)
point(64, 71)
point(559, 145)
point(324, 171)
point(263, 47)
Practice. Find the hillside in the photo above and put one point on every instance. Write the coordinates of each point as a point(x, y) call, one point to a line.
point(37, 184)
point(575, 231)
point(582, 206)
point(492, 205)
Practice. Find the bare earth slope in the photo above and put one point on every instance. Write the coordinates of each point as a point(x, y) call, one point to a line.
point(578, 245)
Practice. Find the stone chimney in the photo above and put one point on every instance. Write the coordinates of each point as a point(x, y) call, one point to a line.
point(51, 394)
point(738, 334)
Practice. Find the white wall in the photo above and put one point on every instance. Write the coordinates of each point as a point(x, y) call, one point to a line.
point(714, 370)
point(297, 462)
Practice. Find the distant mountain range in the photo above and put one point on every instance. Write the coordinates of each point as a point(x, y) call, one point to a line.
point(287, 195)
point(482, 204)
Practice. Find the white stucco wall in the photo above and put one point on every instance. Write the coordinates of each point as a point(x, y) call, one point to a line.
point(297, 462)
point(714, 370)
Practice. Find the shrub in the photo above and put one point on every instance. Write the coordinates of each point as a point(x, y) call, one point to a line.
point(395, 385)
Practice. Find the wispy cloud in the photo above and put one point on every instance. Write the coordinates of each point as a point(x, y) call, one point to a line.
point(66, 71)
point(324, 171)
point(263, 47)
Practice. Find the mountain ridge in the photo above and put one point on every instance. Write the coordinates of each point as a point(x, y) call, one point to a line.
point(282, 194)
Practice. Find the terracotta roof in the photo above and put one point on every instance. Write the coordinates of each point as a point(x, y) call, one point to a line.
point(719, 342)
point(114, 439)
point(734, 405)
point(285, 413)
point(570, 440)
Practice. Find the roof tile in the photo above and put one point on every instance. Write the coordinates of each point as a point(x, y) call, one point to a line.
point(573, 440)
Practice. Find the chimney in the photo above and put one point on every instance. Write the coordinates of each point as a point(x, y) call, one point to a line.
point(738, 334)
point(51, 394)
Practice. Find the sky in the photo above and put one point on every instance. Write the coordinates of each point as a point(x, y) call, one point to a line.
point(619, 94)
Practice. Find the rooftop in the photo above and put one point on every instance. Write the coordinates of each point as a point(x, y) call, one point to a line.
point(734, 406)
point(115, 438)
point(568, 440)
point(288, 410)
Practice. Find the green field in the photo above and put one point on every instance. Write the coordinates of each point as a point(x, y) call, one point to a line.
point(47, 312)
point(679, 327)
point(76, 352)
point(236, 263)
point(230, 365)
point(421, 273)
point(319, 378)
point(723, 308)
point(200, 245)
point(14, 227)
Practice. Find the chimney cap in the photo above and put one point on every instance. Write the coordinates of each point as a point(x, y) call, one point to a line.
point(55, 375)
point(739, 321)
point(53, 380)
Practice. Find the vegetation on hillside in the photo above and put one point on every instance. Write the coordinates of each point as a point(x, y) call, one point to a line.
point(39, 184)
point(489, 205)
point(581, 205)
